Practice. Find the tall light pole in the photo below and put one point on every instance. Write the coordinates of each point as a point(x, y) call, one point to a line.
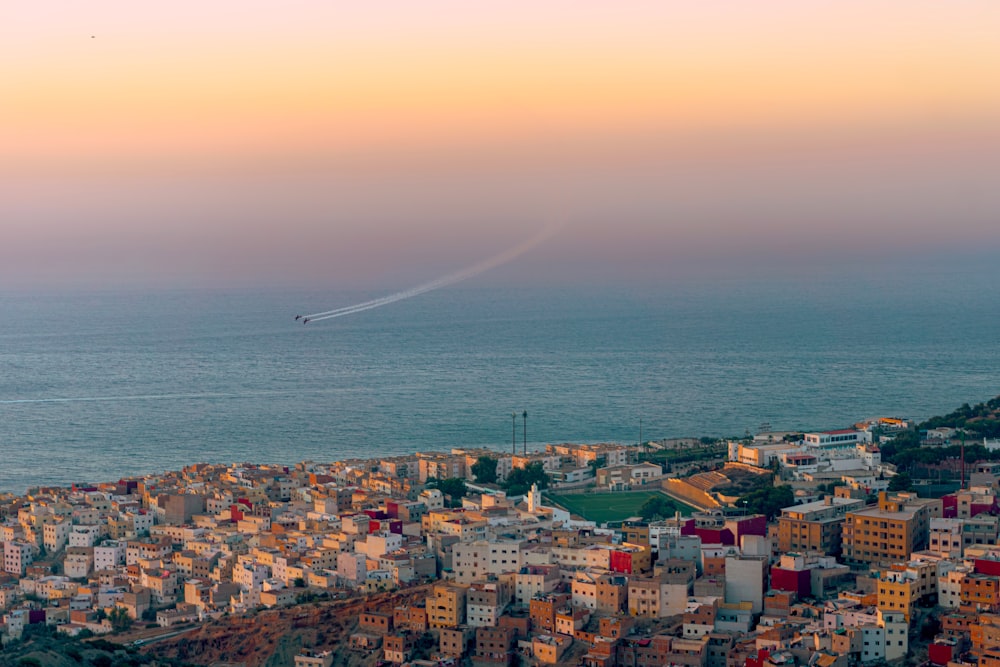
point(963, 459)
point(525, 415)
point(513, 434)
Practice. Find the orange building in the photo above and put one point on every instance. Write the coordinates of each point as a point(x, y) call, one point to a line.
point(890, 531)
point(815, 526)
point(981, 590)
point(446, 606)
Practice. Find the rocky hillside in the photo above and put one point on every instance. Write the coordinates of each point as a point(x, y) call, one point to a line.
point(271, 638)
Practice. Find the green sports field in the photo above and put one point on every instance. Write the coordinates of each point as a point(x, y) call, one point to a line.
point(601, 507)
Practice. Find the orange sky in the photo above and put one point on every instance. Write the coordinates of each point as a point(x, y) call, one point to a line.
point(117, 89)
point(244, 78)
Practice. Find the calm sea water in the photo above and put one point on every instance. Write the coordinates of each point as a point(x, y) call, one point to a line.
point(94, 386)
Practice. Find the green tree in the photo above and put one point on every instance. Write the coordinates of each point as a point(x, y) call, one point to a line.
point(657, 506)
point(120, 620)
point(485, 470)
point(830, 487)
point(453, 487)
point(767, 500)
point(519, 480)
point(423, 646)
point(901, 482)
point(930, 628)
point(596, 463)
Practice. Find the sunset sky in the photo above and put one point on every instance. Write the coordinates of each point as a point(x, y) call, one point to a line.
point(380, 143)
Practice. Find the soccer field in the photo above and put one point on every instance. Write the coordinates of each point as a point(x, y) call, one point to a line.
point(601, 507)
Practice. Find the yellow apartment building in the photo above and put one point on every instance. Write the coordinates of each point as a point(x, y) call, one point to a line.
point(890, 531)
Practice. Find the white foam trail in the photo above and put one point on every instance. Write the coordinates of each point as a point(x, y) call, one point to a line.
point(450, 279)
point(176, 397)
point(94, 399)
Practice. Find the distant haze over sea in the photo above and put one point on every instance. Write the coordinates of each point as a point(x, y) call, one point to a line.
point(97, 385)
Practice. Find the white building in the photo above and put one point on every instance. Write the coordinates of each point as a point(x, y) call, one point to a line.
point(485, 604)
point(844, 439)
point(84, 535)
point(352, 567)
point(584, 590)
point(379, 545)
point(568, 476)
point(950, 587)
point(250, 576)
point(474, 561)
point(78, 562)
point(591, 556)
point(897, 639)
point(870, 455)
point(142, 521)
point(17, 556)
point(745, 581)
point(760, 455)
point(535, 580)
point(645, 473)
point(951, 537)
point(109, 556)
point(55, 535)
point(666, 545)
point(432, 499)
point(886, 642)
point(15, 621)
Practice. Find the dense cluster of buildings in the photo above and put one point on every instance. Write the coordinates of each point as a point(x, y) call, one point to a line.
point(840, 579)
point(851, 456)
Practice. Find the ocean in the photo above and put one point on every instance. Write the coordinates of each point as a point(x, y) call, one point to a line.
point(102, 384)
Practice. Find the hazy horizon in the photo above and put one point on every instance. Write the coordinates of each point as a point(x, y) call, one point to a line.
point(374, 147)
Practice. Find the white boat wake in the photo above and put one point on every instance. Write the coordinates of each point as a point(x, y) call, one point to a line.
point(493, 262)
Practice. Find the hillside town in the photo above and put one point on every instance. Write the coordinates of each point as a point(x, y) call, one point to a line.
point(855, 570)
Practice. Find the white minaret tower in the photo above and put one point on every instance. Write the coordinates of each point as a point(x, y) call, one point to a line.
point(534, 499)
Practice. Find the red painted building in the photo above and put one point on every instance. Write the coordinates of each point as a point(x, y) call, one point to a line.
point(795, 581)
point(237, 510)
point(758, 659)
point(941, 652)
point(621, 561)
point(392, 509)
point(949, 507)
point(990, 567)
point(722, 536)
point(749, 525)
